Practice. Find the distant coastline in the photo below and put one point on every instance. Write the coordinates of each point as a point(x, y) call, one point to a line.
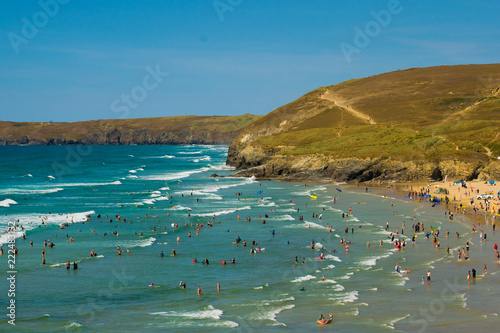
point(209, 130)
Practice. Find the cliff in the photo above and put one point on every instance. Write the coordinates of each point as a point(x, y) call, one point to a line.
point(414, 124)
point(142, 131)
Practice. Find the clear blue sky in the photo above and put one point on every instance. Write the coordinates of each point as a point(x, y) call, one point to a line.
point(253, 56)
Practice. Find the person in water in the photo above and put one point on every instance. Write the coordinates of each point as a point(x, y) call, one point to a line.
point(322, 320)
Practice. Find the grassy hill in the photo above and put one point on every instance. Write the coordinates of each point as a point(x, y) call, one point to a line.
point(426, 116)
point(163, 130)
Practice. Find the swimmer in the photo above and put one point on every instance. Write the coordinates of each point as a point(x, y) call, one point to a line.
point(323, 321)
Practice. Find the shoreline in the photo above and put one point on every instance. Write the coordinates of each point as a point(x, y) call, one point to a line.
point(471, 211)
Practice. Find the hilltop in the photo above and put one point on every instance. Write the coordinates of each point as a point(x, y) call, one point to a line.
point(419, 123)
point(141, 131)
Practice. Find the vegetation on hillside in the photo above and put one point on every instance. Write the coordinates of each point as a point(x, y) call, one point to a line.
point(430, 114)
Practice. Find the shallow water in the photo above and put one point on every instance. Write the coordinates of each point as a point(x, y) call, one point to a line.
point(261, 292)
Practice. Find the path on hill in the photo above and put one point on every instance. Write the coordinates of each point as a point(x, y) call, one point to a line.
point(461, 113)
point(340, 102)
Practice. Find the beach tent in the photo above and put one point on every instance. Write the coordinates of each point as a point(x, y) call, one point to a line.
point(492, 182)
point(457, 182)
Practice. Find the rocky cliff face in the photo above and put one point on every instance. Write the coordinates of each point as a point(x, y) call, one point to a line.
point(118, 136)
point(252, 162)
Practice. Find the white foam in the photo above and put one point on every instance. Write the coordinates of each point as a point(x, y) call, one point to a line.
point(223, 212)
point(402, 281)
point(347, 297)
point(332, 257)
point(132, 171)
point(31, 221)
point(287, 210)
point(209, 313)
point(136, 242)
point(174, 175)
point(51, 177)
point(26, 191)
point(303, 278)
point(271, 204)
point(166, 188)
point(215, 188)
point(190, 152)
point(315, 225)
point(7, 203)
point(271, 314)
point(89, 184)
point(347, 276)
point(73, 324)
point(391, 323)
point(179, 207)
point(162, 198)
point(337, 287)
point(372, 261)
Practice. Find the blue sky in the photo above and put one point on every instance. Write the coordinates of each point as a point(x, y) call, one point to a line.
point(223, 57)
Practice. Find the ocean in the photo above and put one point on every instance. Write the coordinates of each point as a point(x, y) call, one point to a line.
point(147, 199)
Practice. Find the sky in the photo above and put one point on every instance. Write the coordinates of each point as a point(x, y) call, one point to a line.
point(75, 60)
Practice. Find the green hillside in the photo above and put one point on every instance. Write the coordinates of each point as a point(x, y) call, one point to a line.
point(428, 115)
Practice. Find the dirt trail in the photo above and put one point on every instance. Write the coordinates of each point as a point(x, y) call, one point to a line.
point(340, 102)
point(461, 113)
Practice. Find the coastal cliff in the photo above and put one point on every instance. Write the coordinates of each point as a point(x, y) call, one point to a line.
point(142, 131)
point(414, 124)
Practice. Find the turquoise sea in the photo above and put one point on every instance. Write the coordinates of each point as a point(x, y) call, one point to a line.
point(148, 198)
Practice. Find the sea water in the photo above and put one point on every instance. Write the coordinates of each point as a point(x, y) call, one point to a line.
point(143, 192)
